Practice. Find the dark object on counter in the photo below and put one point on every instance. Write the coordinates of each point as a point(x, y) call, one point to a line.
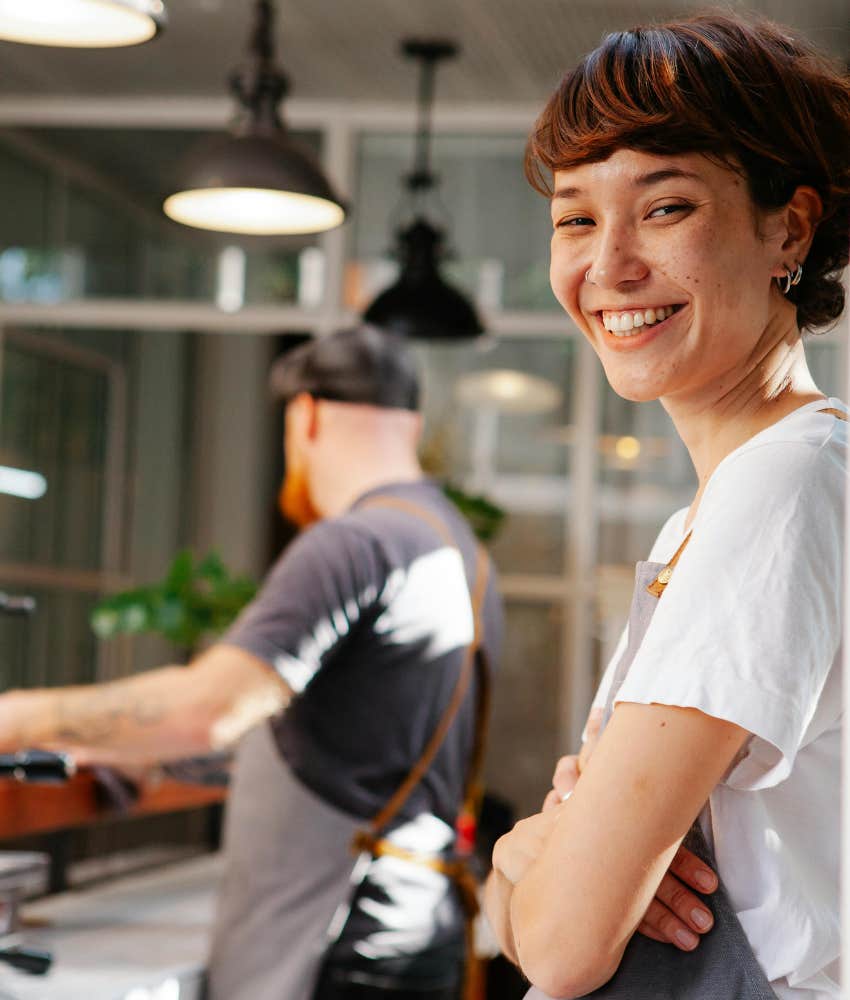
point(32, 960)
point(17, 604)
point(40, 766)
point(114, 790)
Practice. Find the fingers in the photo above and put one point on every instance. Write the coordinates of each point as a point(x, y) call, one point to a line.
point(649, 931)
point(676, 915)
point(662, 924)
point(552, 799)
point(566, 775)
point(693, 872)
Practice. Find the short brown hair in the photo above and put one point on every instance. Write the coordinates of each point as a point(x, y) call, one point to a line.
point(743, 91)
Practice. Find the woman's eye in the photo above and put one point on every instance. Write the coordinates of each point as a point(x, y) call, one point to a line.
point(574, 222)
point(664, 210)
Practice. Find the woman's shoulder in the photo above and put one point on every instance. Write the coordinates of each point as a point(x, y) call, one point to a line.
point(798, 461)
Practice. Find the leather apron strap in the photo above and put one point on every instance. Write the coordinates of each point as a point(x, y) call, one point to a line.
point(473, 660)
point(370, 839)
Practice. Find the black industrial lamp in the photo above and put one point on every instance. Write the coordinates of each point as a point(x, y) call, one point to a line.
point(94, 24)
point(257, 180)
point(421, 304)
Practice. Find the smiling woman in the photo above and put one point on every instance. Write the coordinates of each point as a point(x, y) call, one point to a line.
point(700, 196)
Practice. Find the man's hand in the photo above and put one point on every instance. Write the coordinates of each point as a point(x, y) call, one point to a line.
point(676, 916)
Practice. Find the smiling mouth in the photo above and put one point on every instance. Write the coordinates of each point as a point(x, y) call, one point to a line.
point(630, 322)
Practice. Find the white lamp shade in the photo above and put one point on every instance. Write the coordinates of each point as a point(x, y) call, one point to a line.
point(253, 211)
point(81, 23)
point(260, 182)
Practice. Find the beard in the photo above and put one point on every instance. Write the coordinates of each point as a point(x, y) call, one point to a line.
point(294, 499)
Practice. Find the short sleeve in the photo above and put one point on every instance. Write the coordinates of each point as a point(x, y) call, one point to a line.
point(749, 626)
point(311, 599)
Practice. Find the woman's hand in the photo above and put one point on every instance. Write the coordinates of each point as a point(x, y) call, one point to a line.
point(568, 769)
point(676, 916)
point(515, 852)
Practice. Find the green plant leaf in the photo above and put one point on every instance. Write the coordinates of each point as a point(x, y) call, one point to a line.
point(192, 600)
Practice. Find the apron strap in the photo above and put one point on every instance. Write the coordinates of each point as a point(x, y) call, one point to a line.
point(474, 660)
point(658, 585)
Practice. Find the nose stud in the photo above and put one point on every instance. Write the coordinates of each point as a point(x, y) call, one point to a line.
point(587, 277)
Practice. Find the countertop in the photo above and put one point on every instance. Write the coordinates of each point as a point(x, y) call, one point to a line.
point(143, 937)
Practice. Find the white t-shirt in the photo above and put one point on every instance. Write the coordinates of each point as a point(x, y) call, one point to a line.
point(749, 630)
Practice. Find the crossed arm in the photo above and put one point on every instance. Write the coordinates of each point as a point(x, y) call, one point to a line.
point(572, 884)
point(162, 714)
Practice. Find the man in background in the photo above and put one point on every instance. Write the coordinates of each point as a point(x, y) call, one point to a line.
point(337, 675)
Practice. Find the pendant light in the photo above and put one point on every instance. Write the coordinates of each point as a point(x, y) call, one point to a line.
point(257, 180)
point(96, 24)
point(421, 304)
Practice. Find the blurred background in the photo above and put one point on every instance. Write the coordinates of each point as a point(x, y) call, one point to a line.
point(134, 351)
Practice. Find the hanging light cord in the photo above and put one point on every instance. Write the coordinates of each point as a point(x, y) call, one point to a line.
point(261, 86)
point(421, 176)
point(429, 53)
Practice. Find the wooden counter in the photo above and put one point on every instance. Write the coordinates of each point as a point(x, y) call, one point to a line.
point(28, 809)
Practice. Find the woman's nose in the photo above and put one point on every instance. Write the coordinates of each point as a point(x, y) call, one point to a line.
point(615, 261)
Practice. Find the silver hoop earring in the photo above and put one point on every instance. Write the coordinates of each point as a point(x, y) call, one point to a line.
point(791, 278)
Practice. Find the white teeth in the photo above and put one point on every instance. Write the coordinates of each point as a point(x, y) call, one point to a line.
point(623, 323)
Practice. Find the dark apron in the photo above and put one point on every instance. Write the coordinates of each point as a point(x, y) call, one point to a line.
point(723, 966)
point(289, 871)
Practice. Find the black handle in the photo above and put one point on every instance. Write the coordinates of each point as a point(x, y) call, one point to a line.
point(31, 960)
point(20, 604)
point(36, 765)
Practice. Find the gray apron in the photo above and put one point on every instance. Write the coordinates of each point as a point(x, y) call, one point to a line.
point(723, 966)
point(289, 871)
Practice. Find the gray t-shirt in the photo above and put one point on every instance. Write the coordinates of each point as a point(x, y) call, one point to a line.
point(367, 617)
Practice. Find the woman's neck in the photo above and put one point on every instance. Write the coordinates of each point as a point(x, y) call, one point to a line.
point(717, 420)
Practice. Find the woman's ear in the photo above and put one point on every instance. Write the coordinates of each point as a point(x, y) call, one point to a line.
point(801, 217)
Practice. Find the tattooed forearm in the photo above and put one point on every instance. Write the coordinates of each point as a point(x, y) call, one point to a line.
point(95, 716)
point(162, 714)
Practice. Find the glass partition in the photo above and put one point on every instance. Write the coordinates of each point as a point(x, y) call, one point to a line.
point(95, 449)
point(86, 222)
point(497, 424)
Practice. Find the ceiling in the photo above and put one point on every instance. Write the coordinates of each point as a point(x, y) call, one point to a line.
point(513, 50)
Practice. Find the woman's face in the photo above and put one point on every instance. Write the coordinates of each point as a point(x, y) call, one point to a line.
point(662, 235)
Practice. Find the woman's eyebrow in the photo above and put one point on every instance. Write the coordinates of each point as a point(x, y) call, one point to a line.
point(668, 173)
point(644, 180)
